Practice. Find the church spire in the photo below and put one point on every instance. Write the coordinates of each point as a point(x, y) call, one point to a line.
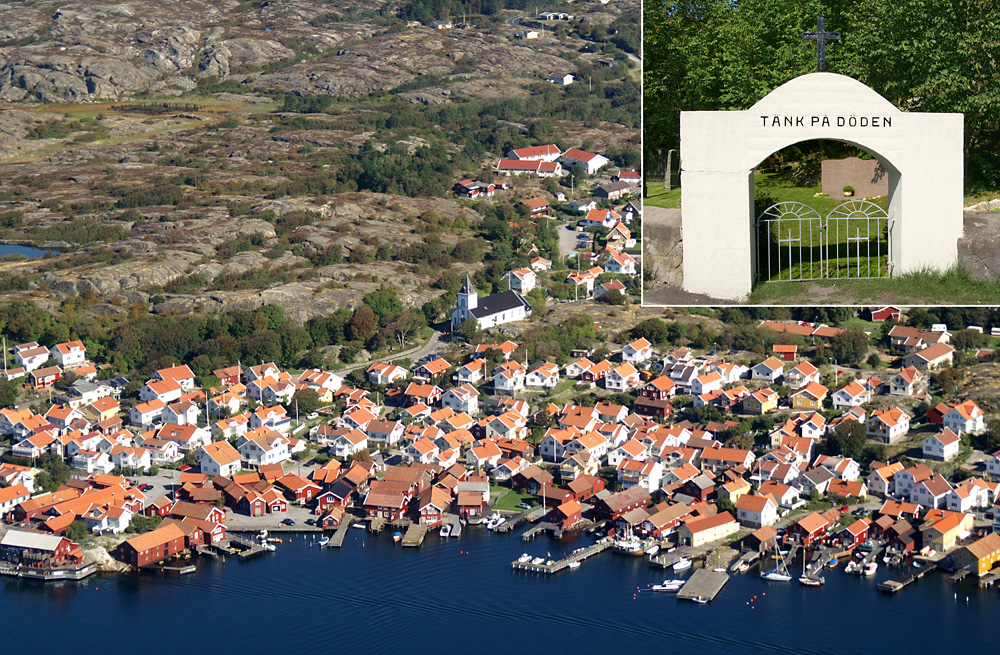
point(467, 287)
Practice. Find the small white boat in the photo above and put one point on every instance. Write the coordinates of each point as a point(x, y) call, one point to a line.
point(269, 547)
point(324, 541)
point(775, 575)
point(538, 560)
point(359, 525)
point(811, 582)
point(652, 550)
point(670, 588)
point(683, 564)
point(446, 531)
point(524, 558)
point(263, 534)
point(851, 566)
point(575, 564)
point(870, 568)
point(719, 570)
point(700, 600)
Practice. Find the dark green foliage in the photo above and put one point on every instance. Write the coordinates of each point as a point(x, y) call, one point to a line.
point(306, 104)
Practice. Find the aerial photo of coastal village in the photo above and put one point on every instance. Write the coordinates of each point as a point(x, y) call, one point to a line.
point(323, 284)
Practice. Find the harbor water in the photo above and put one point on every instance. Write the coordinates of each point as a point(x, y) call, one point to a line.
point(461, 595)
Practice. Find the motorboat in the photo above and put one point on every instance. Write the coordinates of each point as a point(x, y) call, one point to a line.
point(575, 564)
point(269, 547)
point(652, 550)
point(683, 564)
point(360, 526)
point(832, 564)
point(538, 560)
point(811, 582)
point(446, 531)
point(397, 537)
point(870, 568)
point(851, 566)
point(739, 566)
point(669, 586)
point(324, 541)
point(524, 558)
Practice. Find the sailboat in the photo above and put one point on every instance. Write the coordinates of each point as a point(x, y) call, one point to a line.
point(806, 580)
point(628, 543)
point(779, 573)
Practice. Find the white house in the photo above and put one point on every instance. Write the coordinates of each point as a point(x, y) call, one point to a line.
point(166, 391)
point(965, 417)
point(463, 398)
point(706, 383)
point(638, 351)
point(544, 376)
point(619, 262)
point(384, 373)
point(944, 445)
point(219, 458)
point(509, 377)
point(70, 354)
point(756, 511)
point(562, 79)
point(147, 413)
point(521, 280)
point(888, 426)
point(31, 357)
point(851, 394)
point(932, 492)
point(769, 370)
point(588, 161)
point(269, 447)
point(622, 378)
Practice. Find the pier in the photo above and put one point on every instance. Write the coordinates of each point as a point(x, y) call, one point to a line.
point(703, 586)
point(455, 522)
point(337, 538)
point(749, 559)
point(248, 547)
point(559, 565)
point(48, 575)
point(514, 521)
point(533, 532)
point(414, 536)
point(667, 560)
point(907, 578)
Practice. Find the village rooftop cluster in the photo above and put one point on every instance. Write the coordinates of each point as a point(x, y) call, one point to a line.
point(449, 438)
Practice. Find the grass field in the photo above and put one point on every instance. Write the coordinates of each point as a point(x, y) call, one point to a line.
point(657, 197)
point(510, 500)
point(953, 287)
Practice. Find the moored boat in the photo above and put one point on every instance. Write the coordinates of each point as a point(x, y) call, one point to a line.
point(832, 564)
point(397, 536)
point(669, 586)
point(775, 575)
point(683, 564)
point(324, 541)
point(851, 566)
point(811, 582)
point(575, 564)
point(358, 525)
point(445, 531)
point(652, 550)
point(524, 558)
point(869, 569)
point(628, 546)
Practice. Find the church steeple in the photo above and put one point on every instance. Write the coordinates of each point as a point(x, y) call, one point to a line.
point(468, 298)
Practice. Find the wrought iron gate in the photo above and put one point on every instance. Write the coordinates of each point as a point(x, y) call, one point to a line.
point(794, 242)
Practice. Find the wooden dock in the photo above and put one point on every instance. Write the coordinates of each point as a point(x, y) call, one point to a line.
point(667, 560)
point(989, 580)
point(905, 579)
point(376, 525)
point(749, 558)
point(48, 575)
point(556, 566)
point(337, 538)
point(703, 586)
point(533, 532)
point(414, 536)
point(249, 548)
point(516, 520)
point(455, 522)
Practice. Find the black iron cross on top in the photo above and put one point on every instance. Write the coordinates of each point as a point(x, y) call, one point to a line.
point(821, 36)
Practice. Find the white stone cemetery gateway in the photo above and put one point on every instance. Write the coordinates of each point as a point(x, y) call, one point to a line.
point(720, 149)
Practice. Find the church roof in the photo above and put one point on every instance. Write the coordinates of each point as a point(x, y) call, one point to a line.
point(499, 302)
point(467, 287)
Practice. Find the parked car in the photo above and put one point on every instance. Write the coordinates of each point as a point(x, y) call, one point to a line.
point(524, 505)
point(287, 522)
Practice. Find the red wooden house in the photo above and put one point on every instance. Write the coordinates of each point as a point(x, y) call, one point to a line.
point(854, 534)
point(470, 504)
point(808, 529)
point(388, 505)
point(159, 507)
point(567, 514)
point(583, 487)
point(152, 547)
point(597, 371)
point(298, 488)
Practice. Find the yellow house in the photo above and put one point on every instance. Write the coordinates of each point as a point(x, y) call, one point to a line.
point(979, 556)
point(942, 528)
point(809, 397)
point(734, 490)
point(101, 410)
point(761, 402)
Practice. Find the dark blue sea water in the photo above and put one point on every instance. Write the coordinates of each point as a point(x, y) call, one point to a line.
point(461, 596)
point(30, 253)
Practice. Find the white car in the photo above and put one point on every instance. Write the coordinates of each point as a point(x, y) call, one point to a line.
point(312, 415)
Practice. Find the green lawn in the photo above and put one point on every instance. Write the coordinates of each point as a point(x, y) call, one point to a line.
point(953, 287)
point(511, 499)
point(657, 197)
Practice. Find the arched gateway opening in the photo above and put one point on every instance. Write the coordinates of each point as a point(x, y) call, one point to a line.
point(727, 244)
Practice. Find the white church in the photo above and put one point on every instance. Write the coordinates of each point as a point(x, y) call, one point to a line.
point(500, 308)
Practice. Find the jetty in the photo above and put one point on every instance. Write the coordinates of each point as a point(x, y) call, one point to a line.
point(819, 561)
point(749, 558)
point(247, 547)
point(176, 571)
point(455, 522)
point(533, 532)
point(989, 580)
point(703, 586)
point(415, 534)
point(667, 560)
point(905, 579)
point(338, 536)
point(516, 520)
point(556, 566)
point(48, 575)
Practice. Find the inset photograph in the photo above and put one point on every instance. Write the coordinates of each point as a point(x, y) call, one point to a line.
point(786, 164)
